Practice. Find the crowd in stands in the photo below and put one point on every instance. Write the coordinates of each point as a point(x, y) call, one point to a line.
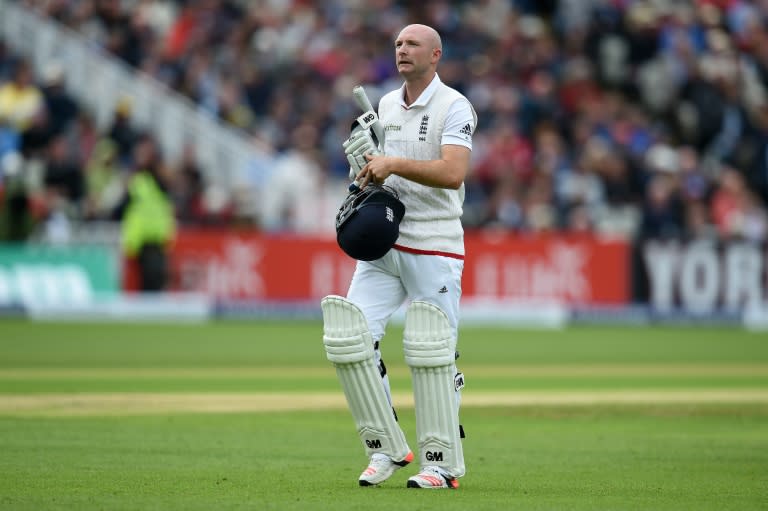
point(624, 117)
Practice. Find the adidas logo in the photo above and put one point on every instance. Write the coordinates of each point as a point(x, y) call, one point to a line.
point(466, 130)
point(443, 290)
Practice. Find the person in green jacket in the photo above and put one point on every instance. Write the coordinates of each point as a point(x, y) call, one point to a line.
point(148, 217)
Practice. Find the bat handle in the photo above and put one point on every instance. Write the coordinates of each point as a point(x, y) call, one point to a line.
point(378, 130)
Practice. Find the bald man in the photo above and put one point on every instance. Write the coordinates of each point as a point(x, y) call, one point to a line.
point(425, 158)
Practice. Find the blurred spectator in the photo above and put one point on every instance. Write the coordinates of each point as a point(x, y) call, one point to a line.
point(104, 181)
point(580, 187)
point(63, 174)
point(505, 206)
point(538, 206)
point(188, 191)
point(60, 106)
point(195, 202)
point(736, 210)
point(83, 136)
point(694, 184)
point(147, 215)
point(123, 132)
point(294, 185)
point(662, 210)
point(21, 100)
point(507, 154)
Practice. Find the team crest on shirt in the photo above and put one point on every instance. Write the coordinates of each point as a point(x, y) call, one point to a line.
point(423, 128)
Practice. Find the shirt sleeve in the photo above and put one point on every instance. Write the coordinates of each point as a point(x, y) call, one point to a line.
point(459, 124)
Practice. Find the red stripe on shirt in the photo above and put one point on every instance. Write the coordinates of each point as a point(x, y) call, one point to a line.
point(427, 252)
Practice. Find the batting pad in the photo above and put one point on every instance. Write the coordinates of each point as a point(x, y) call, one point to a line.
point(430, 349)
point(349, 345)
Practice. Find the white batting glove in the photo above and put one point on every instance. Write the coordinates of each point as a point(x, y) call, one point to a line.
point(356, 147)
point(360, 142)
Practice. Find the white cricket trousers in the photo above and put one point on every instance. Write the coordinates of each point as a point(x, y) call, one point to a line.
point(380, 287)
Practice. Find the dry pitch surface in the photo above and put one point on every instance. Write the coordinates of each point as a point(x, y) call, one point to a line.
point(138, 403)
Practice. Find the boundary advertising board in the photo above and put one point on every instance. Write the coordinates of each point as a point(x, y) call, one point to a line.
point(252, 266)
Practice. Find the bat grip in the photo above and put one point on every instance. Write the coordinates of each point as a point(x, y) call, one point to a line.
point(378, 130)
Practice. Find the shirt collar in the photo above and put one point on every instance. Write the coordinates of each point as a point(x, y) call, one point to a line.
point(425, 96)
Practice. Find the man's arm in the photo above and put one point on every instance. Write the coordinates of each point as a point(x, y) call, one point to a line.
point(447, 172)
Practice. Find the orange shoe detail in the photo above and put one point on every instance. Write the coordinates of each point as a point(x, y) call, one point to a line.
point(432, 478)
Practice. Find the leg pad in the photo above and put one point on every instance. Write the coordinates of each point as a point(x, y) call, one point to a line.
point(349, 345)
point(430, 350)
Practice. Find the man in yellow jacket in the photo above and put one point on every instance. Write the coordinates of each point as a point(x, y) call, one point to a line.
point(148, 220)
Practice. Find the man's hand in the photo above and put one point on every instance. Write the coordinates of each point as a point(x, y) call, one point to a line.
point(376, 170)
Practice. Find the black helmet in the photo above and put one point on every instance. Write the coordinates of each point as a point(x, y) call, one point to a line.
point(368, 222)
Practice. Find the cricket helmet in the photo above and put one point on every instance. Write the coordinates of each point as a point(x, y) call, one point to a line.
point(368, 222)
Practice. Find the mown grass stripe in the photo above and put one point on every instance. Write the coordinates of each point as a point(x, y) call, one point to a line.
point(94, 404)
point(283, 372)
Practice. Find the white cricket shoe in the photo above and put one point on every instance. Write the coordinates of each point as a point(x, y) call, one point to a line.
point(381, 468)
point(432, 478)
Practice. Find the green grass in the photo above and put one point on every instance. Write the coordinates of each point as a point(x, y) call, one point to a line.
point(297, 461)
point(697, 456)
point(264, 344)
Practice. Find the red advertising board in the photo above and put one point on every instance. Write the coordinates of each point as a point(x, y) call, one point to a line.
point(259, 266)
point(574, 270)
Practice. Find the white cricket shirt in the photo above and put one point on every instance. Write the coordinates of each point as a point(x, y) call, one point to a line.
point(440, 116)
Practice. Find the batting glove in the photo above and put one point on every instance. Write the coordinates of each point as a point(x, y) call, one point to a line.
point(356, 147)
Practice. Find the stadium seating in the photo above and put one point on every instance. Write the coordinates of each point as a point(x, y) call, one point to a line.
point(637, 119)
